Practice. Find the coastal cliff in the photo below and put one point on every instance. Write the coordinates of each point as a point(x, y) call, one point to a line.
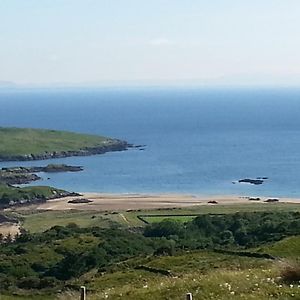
point(114, 145)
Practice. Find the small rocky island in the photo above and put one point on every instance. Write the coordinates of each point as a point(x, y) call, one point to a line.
point(25, 175)
point(257, 181)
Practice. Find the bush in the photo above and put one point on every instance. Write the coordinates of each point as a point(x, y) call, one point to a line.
point(291, 273)
point(29, 283)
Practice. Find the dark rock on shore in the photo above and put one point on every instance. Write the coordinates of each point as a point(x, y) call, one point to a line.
point(254, 199)
point(271, 200)
point(78, 201)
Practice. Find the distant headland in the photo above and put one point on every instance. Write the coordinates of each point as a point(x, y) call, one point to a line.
point(25, 144)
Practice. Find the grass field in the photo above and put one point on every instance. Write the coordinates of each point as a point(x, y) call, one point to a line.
point(38, 221)
point(24, 141)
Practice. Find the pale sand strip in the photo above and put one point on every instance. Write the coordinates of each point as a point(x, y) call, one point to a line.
point(111, 202)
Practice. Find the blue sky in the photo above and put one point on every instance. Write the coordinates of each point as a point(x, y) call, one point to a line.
point(145, 42)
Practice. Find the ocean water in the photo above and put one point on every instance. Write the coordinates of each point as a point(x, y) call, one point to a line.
point(198, 141)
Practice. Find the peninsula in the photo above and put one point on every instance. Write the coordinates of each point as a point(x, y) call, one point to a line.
point(23, 144)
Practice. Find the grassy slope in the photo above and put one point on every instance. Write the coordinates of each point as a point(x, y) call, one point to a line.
point(22, 141)
point(206, 274)
point(288, 248)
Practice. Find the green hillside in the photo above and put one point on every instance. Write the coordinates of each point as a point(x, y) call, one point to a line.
point(26, 142)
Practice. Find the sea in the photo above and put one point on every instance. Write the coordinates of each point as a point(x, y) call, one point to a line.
point(198, 141)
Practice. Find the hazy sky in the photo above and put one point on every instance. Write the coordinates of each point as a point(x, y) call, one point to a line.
point(150, 41)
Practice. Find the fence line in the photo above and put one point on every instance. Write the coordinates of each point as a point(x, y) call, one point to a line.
point(189, 296)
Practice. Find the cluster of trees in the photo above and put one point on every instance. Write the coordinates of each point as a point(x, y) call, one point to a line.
point(50, 259)
point(240, 229)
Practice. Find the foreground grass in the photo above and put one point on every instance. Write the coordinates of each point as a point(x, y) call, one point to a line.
point(25, 141)
point(205, 274)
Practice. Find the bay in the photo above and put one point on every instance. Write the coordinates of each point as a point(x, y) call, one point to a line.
point(198, 141)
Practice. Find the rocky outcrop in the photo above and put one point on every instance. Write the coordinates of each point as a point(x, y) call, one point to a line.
point(109, 146)
point(35, 198)
point(56, 168)
point(17, 178)
point(24, 175)
point(80, 201)
point(271, 200)
point(6, 219)
point(252, 181)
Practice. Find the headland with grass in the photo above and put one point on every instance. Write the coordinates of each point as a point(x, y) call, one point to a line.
point(21, 144)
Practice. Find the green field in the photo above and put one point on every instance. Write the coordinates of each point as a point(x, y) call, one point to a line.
point(38, 221)
point(26, 141)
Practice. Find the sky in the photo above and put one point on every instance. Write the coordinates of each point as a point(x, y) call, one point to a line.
point(91, 42)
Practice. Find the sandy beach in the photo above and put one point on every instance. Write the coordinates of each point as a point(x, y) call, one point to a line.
point(119, 202)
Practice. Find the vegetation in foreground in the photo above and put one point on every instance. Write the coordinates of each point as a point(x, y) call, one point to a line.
point(162, 261)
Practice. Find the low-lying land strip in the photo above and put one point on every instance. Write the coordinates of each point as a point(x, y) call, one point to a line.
point(119, 202)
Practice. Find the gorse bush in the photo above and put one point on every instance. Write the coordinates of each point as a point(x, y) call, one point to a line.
point(290, 272)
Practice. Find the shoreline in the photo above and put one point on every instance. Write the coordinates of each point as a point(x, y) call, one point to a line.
point(135, 201)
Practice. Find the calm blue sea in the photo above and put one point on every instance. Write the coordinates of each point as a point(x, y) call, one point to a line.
point(198, 140)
